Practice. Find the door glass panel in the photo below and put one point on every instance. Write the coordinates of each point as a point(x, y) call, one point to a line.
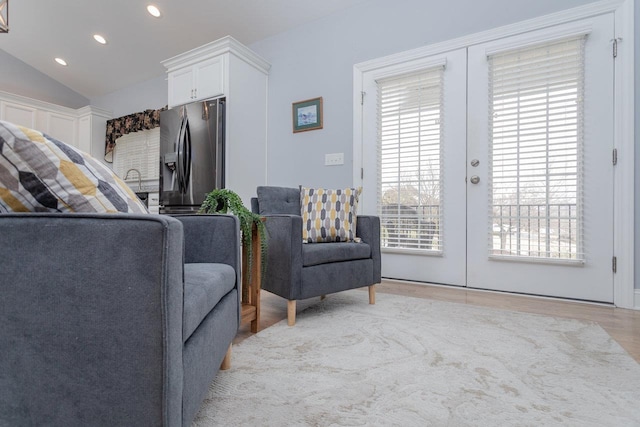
point(410, 112)
point(536, 136)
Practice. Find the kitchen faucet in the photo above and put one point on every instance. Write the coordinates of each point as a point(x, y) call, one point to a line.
point(126, 175)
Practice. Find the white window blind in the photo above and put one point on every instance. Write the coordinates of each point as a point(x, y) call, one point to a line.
point(410, 111)
point(138, 150)
point(536, 134)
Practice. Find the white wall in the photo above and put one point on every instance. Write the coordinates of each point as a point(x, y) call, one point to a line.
point(149, 95)
point(21, 79)
point(317, 60)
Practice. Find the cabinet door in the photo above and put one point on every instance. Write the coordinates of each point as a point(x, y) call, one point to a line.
point(19, 114)
point(181, 86)
point(209, 78)
point(62, 127)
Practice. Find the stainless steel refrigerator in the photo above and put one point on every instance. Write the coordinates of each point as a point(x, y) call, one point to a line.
point(191, 154)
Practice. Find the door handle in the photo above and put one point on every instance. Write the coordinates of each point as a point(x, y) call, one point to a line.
point(186, 151)
point(180, 156)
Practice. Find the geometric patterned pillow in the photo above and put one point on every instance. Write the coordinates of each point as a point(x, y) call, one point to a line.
point(328, 215)
point(41, 174)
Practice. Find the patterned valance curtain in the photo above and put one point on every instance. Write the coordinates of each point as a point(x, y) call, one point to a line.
point(135, 122)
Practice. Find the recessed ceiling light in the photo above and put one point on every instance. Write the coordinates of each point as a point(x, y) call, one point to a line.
point(61, 61)
point(99, 39)
point(154, 11)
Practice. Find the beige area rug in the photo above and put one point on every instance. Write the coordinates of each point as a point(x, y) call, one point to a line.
point(416, 362)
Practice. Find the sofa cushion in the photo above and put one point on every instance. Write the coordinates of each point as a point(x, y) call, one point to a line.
point(278, 200)
point(204, 286)
point(41, 174)
point(328, 215)
point(334, 252)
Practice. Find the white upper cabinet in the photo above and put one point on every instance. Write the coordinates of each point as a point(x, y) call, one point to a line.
point(209, 78)
point(196, 82)
point(181, 86)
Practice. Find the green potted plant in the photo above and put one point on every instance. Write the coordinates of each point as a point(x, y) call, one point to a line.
point(222, 200)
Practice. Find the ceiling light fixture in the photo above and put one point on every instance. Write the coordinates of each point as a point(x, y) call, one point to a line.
point(61, 62)
point(4, 16)
point(154, 11)
point(99, 39)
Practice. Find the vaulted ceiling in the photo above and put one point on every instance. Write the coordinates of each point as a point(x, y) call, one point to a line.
point(41, 30)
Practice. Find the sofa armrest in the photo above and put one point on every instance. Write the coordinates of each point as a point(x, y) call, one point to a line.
point(284, 255)
point(211, 238)
point(368, 229)
point(91, 315)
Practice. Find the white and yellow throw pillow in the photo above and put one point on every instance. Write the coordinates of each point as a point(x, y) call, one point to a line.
point(41, 174)
point(328, 215)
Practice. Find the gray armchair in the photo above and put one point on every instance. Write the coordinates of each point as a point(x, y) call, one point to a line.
point(114, 319)
point(298, 271)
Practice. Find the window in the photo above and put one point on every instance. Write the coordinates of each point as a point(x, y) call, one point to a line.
point(536, 135)
point(410, 112)
point(138, 150)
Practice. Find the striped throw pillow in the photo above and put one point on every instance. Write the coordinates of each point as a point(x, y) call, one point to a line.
point(41, 174)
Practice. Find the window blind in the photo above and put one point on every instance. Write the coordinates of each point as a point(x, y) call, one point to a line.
point(138, 150)
point(536, 137)
point(410, 111)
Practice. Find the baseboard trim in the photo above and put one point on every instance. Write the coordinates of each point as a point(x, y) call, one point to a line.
point(498, 292)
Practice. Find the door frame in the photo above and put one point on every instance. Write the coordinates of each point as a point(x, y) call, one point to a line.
point(624, 114)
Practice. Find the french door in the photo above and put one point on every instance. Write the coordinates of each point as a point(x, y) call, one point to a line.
point(545, 163)
point(505, 181)
point(420, 190)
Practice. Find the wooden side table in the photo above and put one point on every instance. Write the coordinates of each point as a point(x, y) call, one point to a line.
point(251, 289)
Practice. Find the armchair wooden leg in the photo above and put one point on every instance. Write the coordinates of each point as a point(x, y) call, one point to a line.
point(372, 294)
point(291, 312)
point(226, 362)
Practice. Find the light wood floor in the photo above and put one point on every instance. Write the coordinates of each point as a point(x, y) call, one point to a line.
point(623, 325)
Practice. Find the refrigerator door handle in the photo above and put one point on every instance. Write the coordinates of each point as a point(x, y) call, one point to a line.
point(186, 148)
point(180, 156)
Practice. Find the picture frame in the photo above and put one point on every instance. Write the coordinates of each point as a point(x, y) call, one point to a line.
point(307, 115)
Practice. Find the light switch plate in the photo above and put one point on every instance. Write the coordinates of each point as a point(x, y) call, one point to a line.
point(334, 159)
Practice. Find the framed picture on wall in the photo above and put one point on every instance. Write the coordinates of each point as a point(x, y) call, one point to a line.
point(307, 115)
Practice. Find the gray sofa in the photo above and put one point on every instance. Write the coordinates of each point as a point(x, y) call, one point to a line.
point(114, 319)
point(298, 271)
